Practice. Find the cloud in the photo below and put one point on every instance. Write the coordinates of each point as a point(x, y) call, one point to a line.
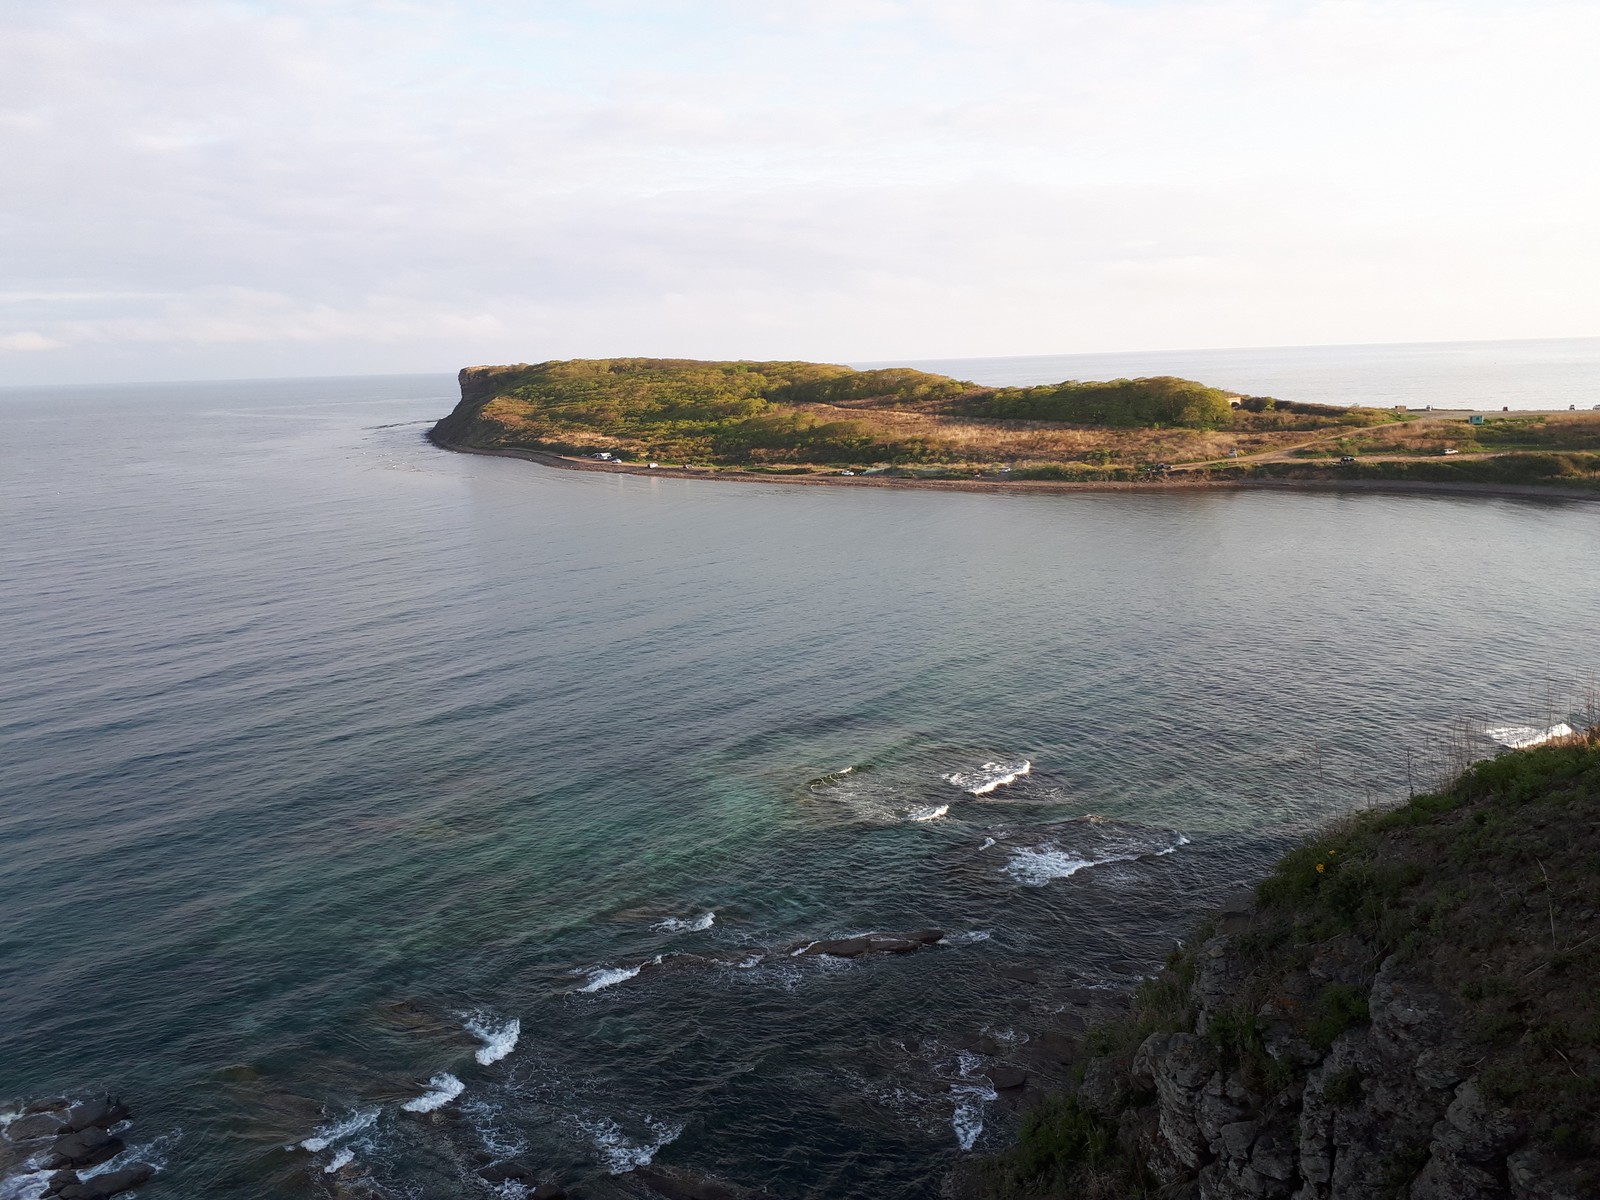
point(397, 185)
point(27, 339)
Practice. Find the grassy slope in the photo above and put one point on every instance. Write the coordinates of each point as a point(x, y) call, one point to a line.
point(1488, 890)
point(795, 416)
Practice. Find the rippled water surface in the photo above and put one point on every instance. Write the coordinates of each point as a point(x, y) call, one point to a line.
point(352, 788)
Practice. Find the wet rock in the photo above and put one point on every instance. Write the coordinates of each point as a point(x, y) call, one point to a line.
point(36, 1125)
point(1018, 974)
point(502, 1172)
point(48, 1104)
point(548, 1191)
point(1004, 1078)
point(874, 943)
point(85, 1148)
point(58, 1181)
point(112, 1183)
point(1058, 1047)
point(104, 1113)
point(676, 1183)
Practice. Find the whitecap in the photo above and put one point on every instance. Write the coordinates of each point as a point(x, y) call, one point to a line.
point(971, 1094)
point(1521, 737)
point(620, 1153)
point(967, 937)
point(989, 776)
point(987, 842)
point(604, 977)
point(342, 1158)
point(928, 812)
point(442, 1088)
point(327, 1135)
point(686, 924)
point(1035, 866)
point(498, 1039)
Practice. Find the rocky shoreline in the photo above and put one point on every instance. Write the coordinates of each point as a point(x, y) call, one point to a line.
point(1403, 1009)
point(72, 1144)
point(1024, 486)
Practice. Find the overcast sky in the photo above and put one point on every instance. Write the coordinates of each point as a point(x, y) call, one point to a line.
point(286, 187)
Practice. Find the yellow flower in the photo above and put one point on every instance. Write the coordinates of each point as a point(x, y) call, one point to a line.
point(1321, 868)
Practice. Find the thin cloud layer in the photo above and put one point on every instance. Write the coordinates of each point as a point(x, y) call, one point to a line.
point(277, 188)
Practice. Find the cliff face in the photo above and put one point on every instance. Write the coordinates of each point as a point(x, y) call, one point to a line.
point(1407, 1008)
point(479, 385)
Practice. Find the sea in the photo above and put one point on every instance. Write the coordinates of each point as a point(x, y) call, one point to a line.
point(372, 815)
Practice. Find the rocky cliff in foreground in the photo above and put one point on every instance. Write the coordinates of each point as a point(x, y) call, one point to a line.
point(1408, 1007)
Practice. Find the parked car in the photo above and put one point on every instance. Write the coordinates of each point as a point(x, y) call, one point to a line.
point(1347, 458)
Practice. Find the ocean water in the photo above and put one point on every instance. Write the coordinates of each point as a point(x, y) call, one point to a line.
point(371, 812)
point(1553, 373)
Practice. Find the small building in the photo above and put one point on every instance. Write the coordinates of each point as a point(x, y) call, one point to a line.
point(1400, 408)
point(1475, 419)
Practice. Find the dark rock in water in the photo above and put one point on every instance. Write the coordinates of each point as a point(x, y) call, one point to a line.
point(549, 1191)
point(675, 1183)
point(110, 1184)
point(58, 1181)
point(1132, 966)
point(104, 1113)
point(500, 1172)
point(874, 943)
point(1005, 1078)
point(1059, 1048)
point(48, 1104)
point(86, 1148)
point(36, 1125)
point(1018, 974)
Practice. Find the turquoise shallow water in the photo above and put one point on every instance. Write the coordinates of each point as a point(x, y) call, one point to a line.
point(320, 745)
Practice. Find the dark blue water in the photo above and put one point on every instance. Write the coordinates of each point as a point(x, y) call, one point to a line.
point(320, 745)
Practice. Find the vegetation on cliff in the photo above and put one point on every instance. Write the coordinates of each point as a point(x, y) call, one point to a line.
point(796, 417)
point(1406, 1009)
point(756, 414)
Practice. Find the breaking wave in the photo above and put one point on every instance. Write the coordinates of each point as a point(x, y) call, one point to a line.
point(1520, 737)
point(687, 924)
point(989, 776)
point(327, 1135)
point(1035, 866)
point(442, 1088)
point(604, 977)
point(928, 812)
point(971, 1094)
point(620, 1153)
point(498, 1039)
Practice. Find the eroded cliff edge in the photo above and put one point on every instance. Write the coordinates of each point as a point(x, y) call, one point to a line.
point(1408, 1007)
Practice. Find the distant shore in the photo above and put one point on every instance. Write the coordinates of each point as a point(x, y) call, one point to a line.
point(734, 475)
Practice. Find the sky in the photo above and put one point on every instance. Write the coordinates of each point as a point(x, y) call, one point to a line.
point(197, 189)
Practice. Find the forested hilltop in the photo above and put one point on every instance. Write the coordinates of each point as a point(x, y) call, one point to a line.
point(795, 418)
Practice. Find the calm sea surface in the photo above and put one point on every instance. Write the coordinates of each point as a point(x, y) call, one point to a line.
point(326, 756)
point(1552, 373)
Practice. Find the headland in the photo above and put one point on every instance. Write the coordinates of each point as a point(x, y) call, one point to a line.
point(824, 424)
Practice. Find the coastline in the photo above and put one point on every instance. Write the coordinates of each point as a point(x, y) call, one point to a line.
point(1406, 486)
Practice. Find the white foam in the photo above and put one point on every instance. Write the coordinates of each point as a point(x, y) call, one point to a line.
point(686, 924)
point(928, 812)
point(498, 1040)
point(989, 776)
point(971, 1094)
point(1520, 737)
point(969, 936)
point(604, 977)
point(343, 1158)
point(327, 1135)
point(620, 1153)
point(442, 1088)
point(987, 842)
point(1035, 866)
point(29, 1186)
